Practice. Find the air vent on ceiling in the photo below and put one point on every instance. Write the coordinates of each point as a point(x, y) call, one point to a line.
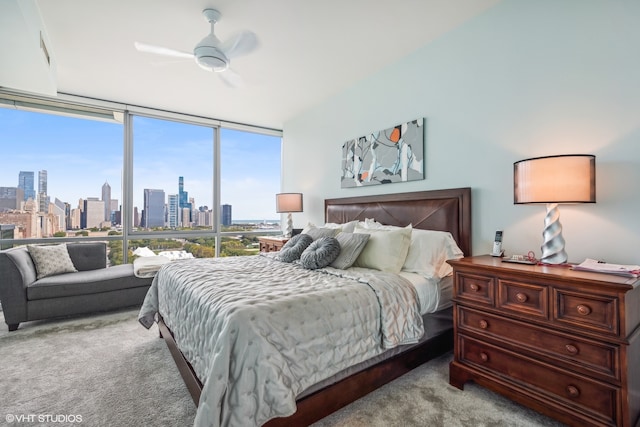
point(28, 54)
point(43, 46)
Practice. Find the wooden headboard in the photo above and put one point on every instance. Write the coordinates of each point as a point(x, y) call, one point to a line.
point(442, 210)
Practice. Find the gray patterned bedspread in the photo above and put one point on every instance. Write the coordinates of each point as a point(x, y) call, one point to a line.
point(258, 332)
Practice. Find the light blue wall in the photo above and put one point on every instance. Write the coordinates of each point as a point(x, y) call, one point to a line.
point(525, 79)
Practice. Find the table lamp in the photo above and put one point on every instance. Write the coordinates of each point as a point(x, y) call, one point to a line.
point(554, 179)
point(287, 203)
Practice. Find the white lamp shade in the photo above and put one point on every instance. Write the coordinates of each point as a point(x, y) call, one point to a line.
point(288, 202)
point(555, 179)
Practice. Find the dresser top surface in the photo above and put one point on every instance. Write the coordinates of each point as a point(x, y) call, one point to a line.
point(491, 263)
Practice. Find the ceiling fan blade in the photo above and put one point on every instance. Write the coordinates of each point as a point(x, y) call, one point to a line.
point(240, 44)
point(169, 62)
point(159, 50)
point(231, 78)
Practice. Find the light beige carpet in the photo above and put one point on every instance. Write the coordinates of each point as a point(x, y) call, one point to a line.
point(110, 371)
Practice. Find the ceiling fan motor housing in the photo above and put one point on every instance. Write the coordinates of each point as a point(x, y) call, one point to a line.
point(210, 58)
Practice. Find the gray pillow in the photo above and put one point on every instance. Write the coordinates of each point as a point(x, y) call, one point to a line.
point(292, 250)
point(351, 244)
point(318, 232)
point(320, 253)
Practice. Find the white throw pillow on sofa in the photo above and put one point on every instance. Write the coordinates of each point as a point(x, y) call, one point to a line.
point(51, 260)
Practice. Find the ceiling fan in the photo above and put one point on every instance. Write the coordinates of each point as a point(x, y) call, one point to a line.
point(210, 53)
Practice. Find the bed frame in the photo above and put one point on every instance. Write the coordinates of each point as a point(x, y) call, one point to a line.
point(442, 210)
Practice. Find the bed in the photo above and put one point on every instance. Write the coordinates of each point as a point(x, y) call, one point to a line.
point(306, 390)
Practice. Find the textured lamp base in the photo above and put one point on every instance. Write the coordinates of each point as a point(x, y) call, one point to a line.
point(289, 229)
point(553, 246)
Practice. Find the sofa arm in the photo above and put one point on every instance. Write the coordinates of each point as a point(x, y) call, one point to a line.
point(88, 255)
point(17, 272)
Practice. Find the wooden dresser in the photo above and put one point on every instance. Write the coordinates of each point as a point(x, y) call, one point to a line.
point(272, 244)
point(565, 343)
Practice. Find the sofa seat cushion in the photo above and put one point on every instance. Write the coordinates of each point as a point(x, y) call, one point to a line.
point(86, 282)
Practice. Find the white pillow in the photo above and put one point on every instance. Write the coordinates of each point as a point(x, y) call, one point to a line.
point(346, 227)
point(386, 250)
point(375, 225)
point(308, 227)
point(429, 251)
point(51, 260)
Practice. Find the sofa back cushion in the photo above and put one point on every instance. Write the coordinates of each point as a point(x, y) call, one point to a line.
point(88, 256)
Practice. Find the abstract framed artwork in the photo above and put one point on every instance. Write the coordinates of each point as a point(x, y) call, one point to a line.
point(383, 157)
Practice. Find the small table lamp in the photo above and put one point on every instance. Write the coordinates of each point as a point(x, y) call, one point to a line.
point(552, 180)
point(287, 203)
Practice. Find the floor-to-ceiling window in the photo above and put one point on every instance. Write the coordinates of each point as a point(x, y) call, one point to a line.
point(61, 173)
point(249, 180)
point(161, 181)
point(172, 175)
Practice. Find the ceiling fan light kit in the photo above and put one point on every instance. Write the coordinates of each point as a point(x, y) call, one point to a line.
point(210, 58)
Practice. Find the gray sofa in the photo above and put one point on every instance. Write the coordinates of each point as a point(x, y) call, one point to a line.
point(95, 287)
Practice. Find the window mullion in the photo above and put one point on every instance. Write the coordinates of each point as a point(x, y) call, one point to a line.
point(216, 187)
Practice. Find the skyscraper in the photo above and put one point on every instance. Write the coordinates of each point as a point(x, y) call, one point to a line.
point(153, 208)
point(60, 210)
point(136, 217)
point(226, 215)
point(93, 212)
point(172, 202)
point(183, 199)
point(106, 198)
point(43, 199)
point(25, 182)
point(10, 198)
point(42, 181)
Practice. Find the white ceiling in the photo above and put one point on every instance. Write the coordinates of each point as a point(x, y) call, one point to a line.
point(308, 50)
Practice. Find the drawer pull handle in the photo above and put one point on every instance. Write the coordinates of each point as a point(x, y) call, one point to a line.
point(583, 309)
point(571, 348)
point(484, 357)
point(483, 324)
point(474, 287)
point(573, 391)
point(521, 297)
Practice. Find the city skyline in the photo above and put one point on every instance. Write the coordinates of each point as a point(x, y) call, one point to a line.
point(167, 201)
point(80, 155)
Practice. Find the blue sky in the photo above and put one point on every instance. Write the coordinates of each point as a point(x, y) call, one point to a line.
point(81, 155)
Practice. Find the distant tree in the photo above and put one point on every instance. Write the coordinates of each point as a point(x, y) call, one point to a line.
point(200, 251)
point(60, 234)
point(84, 233)
point(234, 247)
point(115, 252)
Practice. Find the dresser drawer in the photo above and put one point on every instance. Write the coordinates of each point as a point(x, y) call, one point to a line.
point(524, 298)
point(591, 312)
point(476, 288)
point(573, 352)
point(598, 399)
